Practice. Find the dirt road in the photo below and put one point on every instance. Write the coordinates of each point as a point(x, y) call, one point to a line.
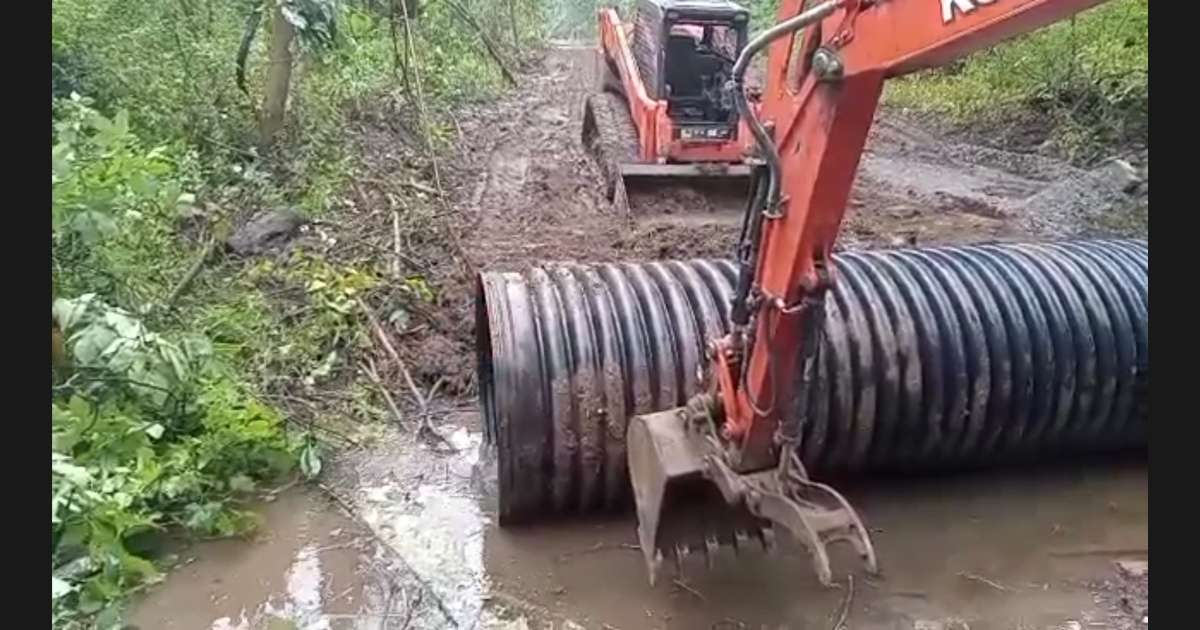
point(402, 534)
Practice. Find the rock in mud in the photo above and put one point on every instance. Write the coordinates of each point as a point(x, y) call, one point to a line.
point(1120, 174)
point(952, 623)
point(1133, 568)
point(265, 231)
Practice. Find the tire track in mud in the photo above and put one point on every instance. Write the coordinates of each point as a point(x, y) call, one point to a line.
point(537, 195)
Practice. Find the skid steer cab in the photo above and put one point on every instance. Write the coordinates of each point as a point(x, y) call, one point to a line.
point(672, 66)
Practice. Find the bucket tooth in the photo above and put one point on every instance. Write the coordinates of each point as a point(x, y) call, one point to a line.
point(711, 548)
point(654, 564)
point(767, 536)
point(741, 540)
point(681, 554)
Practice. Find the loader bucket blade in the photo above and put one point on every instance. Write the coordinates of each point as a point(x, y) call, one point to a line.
point(699, 190)
point(698, 171)
point(679, 510)
point(611, 141)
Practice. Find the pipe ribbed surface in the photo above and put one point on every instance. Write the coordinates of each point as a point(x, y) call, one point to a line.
point(929, 358)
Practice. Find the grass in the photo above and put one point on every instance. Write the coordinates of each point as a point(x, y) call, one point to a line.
point(1078, 89)
point(1080, 85)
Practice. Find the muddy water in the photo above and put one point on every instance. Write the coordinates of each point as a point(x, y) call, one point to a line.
point(308, 565)
point(995, 551)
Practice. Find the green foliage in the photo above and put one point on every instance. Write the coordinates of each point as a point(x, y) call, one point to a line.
point(113, 203)
point(315, 350)
point(172, 64)
point(169, 63)
point(145, 435)
point(150, 430)
point(762, 14)
point(576, 19)
point(1083, 83)
point(315, 21)
point(454, 64)
point(162, 420)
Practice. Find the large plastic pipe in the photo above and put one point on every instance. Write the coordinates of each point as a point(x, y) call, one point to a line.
point(930, 359)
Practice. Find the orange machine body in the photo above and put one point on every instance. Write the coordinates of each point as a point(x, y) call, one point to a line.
point(657, 134)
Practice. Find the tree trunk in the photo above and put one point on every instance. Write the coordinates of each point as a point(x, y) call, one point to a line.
point(470, 20)
point(279, 78)
point(512, 19)
point(400, 56)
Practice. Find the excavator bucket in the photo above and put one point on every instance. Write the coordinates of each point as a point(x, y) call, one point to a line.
point(689, 502)
point(680, 511)
point(610, 139)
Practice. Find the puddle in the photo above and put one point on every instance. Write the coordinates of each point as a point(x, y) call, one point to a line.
point(308, 565)
point(440, 536)
point(996, 551)
point(419, 498)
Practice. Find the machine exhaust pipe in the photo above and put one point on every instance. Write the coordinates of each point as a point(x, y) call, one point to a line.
point(930, 359)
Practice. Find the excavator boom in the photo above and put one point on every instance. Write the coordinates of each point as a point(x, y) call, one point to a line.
point(820, 119)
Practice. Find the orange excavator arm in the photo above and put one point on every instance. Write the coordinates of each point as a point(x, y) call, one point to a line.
point(811, 133)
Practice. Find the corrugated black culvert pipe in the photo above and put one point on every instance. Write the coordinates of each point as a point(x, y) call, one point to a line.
point(930, 358)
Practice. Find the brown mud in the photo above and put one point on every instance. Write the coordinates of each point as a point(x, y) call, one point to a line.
point(401, 533)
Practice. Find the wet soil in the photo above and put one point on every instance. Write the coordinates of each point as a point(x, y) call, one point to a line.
point(1032, 549)
point(402, 534)
point(996, 551)
point(537, 195)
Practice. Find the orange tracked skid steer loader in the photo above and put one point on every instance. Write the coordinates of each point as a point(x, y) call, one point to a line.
point(662, 111)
